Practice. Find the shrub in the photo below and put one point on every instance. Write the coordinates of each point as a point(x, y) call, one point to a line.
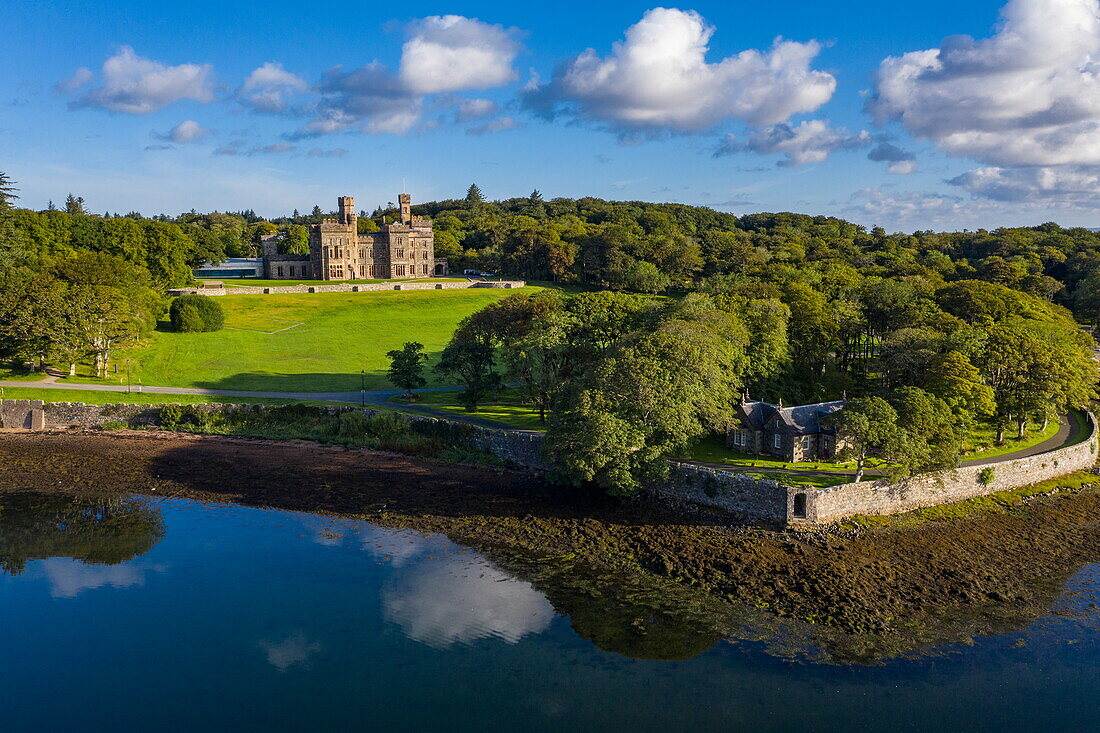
point(189, 320)
point(985, 476)
point(207, 314)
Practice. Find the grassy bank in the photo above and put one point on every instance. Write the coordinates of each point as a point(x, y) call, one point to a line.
point(96, 397)
point(307, 343)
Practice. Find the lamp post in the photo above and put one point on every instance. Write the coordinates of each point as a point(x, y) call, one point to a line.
point(363, 387)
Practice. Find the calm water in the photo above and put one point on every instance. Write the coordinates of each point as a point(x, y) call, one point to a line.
point(178, 615)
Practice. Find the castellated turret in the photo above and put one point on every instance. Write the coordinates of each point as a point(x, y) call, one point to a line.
point(337, 251)
point(347, 210)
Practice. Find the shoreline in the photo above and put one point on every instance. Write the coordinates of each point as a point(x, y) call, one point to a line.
point(864, 592)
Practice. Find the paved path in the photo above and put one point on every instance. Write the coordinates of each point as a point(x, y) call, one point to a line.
point(375, 397)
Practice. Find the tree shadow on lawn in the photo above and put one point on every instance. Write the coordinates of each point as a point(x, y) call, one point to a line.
point(261, 381)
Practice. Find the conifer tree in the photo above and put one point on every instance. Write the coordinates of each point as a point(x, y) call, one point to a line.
point(474, 195)
point(7, 192)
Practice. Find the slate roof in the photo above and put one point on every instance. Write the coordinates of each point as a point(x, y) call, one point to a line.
point(800, 420)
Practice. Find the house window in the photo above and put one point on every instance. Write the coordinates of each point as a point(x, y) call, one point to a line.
point(778, 440)
point(278, 272)
point(806, 442)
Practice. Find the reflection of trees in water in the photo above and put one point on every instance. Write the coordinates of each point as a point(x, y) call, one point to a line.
point(646, 617)
point(98, 530)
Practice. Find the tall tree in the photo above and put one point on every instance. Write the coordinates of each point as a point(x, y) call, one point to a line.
point(7, 192)
point(407, 367)
point(866, 426)
point(474, 196)
point(75, 205)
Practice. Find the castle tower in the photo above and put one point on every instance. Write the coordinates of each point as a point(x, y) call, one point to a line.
point(405, 201)
point(347, 210)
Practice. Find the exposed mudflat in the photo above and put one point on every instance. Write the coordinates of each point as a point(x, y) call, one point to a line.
point(635, 577)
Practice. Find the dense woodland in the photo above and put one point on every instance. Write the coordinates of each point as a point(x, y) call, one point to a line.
point(927, 331)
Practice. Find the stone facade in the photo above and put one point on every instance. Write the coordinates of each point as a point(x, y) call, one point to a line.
point(786, 433)
point(337, 251)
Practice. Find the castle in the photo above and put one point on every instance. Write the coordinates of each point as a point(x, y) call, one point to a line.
point(337, 251)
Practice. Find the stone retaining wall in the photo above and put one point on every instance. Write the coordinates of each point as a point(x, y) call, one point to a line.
point(349, 287)
point(882, 497)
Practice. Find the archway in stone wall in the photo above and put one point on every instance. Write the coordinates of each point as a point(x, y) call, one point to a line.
point(799, 511)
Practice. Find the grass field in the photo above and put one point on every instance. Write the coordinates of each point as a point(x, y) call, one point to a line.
point(90, 397)
point(306, 342)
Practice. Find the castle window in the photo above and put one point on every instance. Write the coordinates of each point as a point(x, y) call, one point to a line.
point(400, 270)
point(400, 254)
point(361, 255)
point(278, 272)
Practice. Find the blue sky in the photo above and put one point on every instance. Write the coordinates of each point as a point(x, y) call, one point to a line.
point(910, 116)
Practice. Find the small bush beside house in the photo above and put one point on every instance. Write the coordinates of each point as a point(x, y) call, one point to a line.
point(194, 313)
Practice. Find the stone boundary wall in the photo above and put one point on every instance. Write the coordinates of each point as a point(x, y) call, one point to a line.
point(522, 449)
point(882, 497)
point(349, 288)
point(735, 493)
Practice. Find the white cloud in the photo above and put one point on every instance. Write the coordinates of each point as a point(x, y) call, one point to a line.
point(1027, 95)
point(902, 167)
point(370, 99)
point(292, 650)
point(446, 53)
point(237, 147)
point(455, 601)
point(137, 85)
point(472, 109)
point(187, 131)
point(443, 54)
point(79, 78)
point(268, 87)
point(498, 125)
point(658, 80)
point(1067, 186)
point(808, 142)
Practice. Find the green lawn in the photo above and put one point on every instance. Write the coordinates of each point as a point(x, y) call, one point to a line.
point(506, 409)
point(328, 339)
point(516, 416)
point(90, 397)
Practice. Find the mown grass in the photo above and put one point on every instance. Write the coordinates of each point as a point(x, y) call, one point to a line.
point(97, 397)
point(506, 409)
point(341, 334)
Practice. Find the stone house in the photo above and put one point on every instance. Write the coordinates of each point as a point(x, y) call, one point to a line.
point(786, 433)
point(337, 251)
